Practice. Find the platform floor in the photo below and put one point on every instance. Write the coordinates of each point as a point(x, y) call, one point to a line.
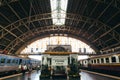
point(88, 75)
point(27, 76)
point(84, 76)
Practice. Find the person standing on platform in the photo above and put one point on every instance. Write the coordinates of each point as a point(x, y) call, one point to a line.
point(38, 68)
point(24, 68)
point(20, 67)
point(29, 70)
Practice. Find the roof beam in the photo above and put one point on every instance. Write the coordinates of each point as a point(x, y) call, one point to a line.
point(23, 9)
point(16, 42)
point(102, 43)
point(35, 13)
point(43, 16)
point(89, 15)
point(8, 21)
point(106, 41)
point(105, 9)
point(114, 4)
point(84, 7)
point(36, 18)
point(113, 16)
point(7, 39)
point(11, 33)
point(95, 32)
point(2, 44)
point(2, 2)
point(108, 47)
point(18, 16)
point(106, 33)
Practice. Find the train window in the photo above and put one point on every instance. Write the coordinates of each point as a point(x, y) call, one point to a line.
point(91, 61)
point(107, 60)
point(113, 59)
point(20, 61)
point(94, 61)
point(119, 58)
point(102, 60)
point(98, 61)
point(8, 61)
point(13, 61)
point(2, 60)
point(16, 61)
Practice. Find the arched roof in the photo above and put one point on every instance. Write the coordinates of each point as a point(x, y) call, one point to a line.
point(96, 22)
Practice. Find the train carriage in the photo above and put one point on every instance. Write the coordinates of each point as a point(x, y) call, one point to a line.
point(108, 62)
point(10, 64)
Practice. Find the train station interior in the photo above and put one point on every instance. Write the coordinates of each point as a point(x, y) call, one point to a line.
point(59, 39)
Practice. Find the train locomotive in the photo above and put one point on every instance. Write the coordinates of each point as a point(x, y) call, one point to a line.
point(10, 64)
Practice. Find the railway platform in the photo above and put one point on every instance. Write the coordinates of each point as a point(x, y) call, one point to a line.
point(34, 75)
point(85, 75)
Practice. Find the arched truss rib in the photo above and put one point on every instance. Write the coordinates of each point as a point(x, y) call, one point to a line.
point(78, 18)
point(43, 30)
point(75, 17)
point(114, 4)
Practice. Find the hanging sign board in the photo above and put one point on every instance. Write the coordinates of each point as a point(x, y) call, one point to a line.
point(59, 61)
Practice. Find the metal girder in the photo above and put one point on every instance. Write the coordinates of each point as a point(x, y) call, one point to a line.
point(35, 11)
point(89, 15)
point(113, 16)
point(11, 33)
point(45, 16)
point(7, 39)
point(8, 21)
point(115, 3)
point(105, 9)
point(108, 31)
point(108, 47)
point(39, 17)
point(2, 33)
point(107, 41)
point(16, 42)
point(100, 16)
point(113, 33)
point(3, 2)
point(18, 16)
point(84, 7)
point(102, 43)
point(42, 53)
point(2, 44)
point(112, 49)
point(95, 32)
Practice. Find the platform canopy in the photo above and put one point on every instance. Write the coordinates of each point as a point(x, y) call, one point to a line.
point(96, 22)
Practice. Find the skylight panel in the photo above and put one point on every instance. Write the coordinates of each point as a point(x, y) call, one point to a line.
point(58, 10)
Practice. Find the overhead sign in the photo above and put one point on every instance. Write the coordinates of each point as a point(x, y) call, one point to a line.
point(59, 61)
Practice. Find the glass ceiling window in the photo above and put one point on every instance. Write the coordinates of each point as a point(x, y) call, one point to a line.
point(58, 10)
point(41, 45)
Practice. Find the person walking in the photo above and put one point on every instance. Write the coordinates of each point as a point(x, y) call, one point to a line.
point(29, 70)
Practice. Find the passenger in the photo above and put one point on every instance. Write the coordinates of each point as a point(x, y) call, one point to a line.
point(29, 71)
point(24, 68)
point(29, 67)
point(20, 67)
point(38, 68)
